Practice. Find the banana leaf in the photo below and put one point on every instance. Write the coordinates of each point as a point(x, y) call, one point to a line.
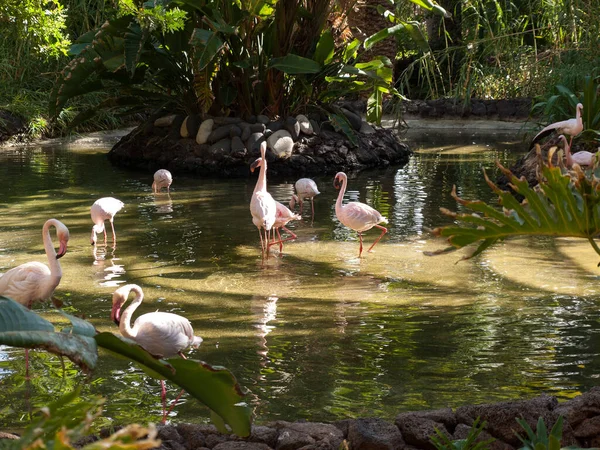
point(564, 203)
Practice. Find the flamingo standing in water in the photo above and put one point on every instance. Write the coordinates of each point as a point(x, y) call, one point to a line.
point(305, 188)
point(162, 178)
point(33, 281)
point(262, 205)
point(161, 334)
point(583, 158)
point(572, 127)
point(282, 216)
point(357, 215)
point(104, 209)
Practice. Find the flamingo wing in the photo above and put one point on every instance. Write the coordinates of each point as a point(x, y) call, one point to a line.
point(164, 334)
point(28, 283)
point(284, 215)
point(264, 209)
point(360, 217)
point(305, 187)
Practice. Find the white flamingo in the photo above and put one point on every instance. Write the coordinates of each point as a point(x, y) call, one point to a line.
point(305, 188)
point(262, 205)
point(583, 157)
point(162, 178)
point(161, 334)
point(572, 127)
point(283, 215)
point(103, 209)
point(33, 281)
point(357, 215)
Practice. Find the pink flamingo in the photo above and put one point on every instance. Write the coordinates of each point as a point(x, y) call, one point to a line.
point(162, 178)
point(572, 127)
point(33, 281)
point(161, 334)
point(583, 158)
point(104, 209)
point(357, 215)
point(282, 216)
point(262, 205)
point(305, 188)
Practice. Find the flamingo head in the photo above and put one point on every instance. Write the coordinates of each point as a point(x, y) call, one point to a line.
point(339, 179)
point(293, 201)
point(98, 228)
point(119, 298)
point(255, 164)
point(62, 233)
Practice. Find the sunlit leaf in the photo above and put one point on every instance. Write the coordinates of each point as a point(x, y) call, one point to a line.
point(325, 48)
point(294, 64)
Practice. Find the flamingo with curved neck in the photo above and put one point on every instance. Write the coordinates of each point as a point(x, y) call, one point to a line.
point(356, 215)
point(161, 334)
point(583, 157)
point(572, 127)
point(262, 205)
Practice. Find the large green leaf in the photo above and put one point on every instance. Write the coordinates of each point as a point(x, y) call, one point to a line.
point(325, 48)
point(214, 386)
point(294, 64)
point(209, 45)
point(375, 106)
point(565, 203)
point(21, 327)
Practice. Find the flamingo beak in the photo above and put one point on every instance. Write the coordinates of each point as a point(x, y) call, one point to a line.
point(62, 249)
point(336, 183)
point(115, 313)
point(254, 165)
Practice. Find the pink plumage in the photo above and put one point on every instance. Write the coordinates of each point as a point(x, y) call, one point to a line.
point(104, 209)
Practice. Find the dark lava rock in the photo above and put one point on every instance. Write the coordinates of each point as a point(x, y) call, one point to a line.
point(191, 435)
point(374, 434)
point(264, 435)
point(290, 439)
point(192, 124)
point(10, 125)
point(354, 119)
point(274, 126)
point(417, 431)
point(462, 432)
point(240, 445)
point(253, 144)
point(580, 408)
point(238, 149)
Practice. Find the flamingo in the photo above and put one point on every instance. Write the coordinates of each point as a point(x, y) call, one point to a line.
point(33, 281)
point(583, 158)
point(357, 215)
point(162, 178)
point(262, 205)
point(282, 216)
point(572, 127)
point(103, 209)
point(305, 188)
point(161, 334)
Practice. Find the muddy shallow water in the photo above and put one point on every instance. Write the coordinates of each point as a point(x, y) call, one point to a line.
point(315, 332)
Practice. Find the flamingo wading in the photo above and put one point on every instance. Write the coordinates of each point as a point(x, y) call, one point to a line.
point(305, 188)
point(103, 209)
point(583, 158)
point(262, 205)
point(162, 178)
point(161, 334)
point(356, 215)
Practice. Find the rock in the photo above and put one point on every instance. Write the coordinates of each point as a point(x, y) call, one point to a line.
point(293, 126)
point(214, 440)
point(315, 126)
point(251, 119)
point(580, 408)
point(14, 437)
point(165, 121)
point(588, 428)
point(222, 132)
point(204, 131)
point(275, 126)
point(168, 433)
point(246, 133)
point(462, 432)
point(240, 445)
point(264, 435)
point(374, 434)
point(281, 143)
point(321, 432)
point(234, 130)
point(262, 119)
point(238, 149)
point(175, 128)
point(189, 127)
point(354, 119)
point(478, 109)
point(227, 120)
point(191, 435)
point(222, 146)
point(305, 125)
point(290, 439)
point(258, 128)
point(365, 128)
point(253, 143)
point(171, 445)
point(417, 431)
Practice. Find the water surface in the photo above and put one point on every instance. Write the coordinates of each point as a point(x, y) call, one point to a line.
point(314, 333)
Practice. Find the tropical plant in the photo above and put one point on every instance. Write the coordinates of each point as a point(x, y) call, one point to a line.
point(540, 439)
point(564, 203)
point(68, 419)
point(442, 442)
point(560, 106)
point(216, 387)
point(222, 56)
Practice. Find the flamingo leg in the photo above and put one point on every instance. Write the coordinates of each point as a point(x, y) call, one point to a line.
point(361, 246)
point(301, 204)
point(104, 235)
point(163, 396)
point(262, 245)
point(112, 225)
point(384, 230)
point(27, 364)
point(280, 241)
point(178, 396)
point(312, 204)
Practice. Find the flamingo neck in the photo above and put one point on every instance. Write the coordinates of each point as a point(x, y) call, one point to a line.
point(578, 114)
point(568, 155)
point(338, 202)
point(261, 183)
point(125, 322)
point(53, 263)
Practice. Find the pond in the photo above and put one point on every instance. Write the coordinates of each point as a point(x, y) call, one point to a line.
point(314, 333)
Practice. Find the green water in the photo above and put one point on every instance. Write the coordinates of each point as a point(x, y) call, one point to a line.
point(314, 333)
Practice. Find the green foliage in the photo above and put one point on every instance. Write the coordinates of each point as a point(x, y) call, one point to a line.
point(216, 387)
point(68, 419)
point(540, 440)
point(560, 106)
point(443, 442)
point(565, 203)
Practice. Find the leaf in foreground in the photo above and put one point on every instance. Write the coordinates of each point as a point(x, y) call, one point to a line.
point(564, 203)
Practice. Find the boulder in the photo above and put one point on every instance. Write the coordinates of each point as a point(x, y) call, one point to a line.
point(305, 125)
point(281, 143)
point(262, 119)
point(253, 144)
point(238, 149)
point(293, 126)
point(354, 119)
point(204, 131)
point(165, 121)
point(374, 434)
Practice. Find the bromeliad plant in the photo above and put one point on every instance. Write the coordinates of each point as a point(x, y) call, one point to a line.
point(247, 57)
point(216, 387)
point(564, 203)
